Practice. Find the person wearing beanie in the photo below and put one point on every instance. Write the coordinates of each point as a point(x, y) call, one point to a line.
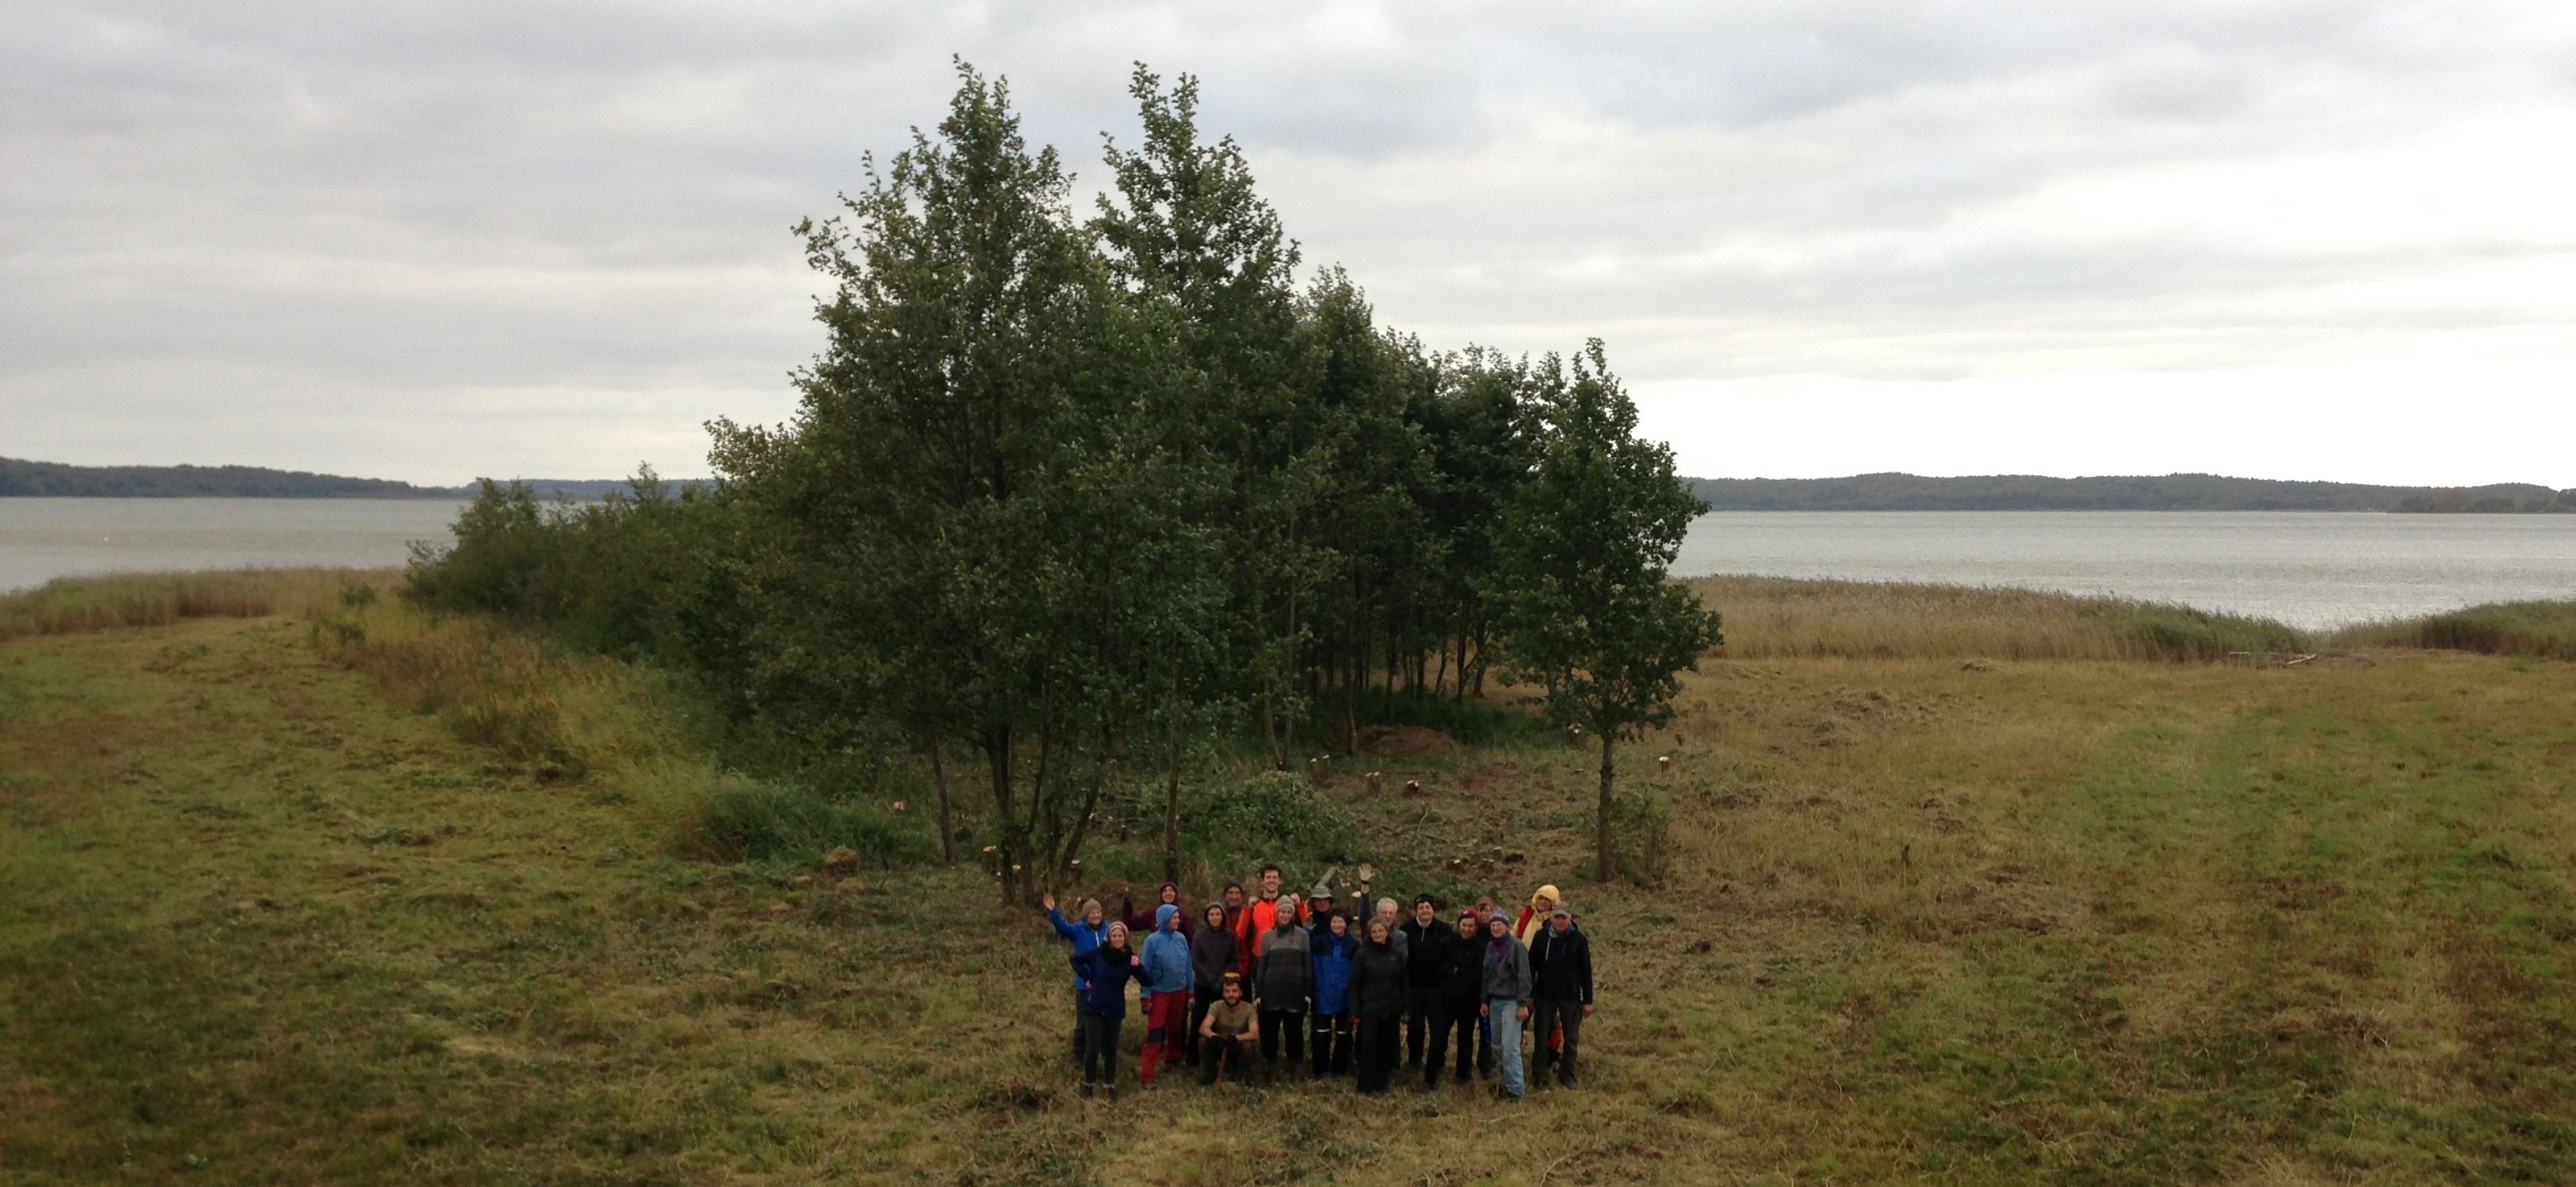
point(1142, 922)
point(1507, 1000)
point(1459, 991)
point(1168, 976)
point(1333, 948)
point(1424, 936)
point(1561, 992)
point(1377, 1003)
point(1086, 936)
point(1283, 978)
point(1211, 960)
point(1228, 1032)
point(1104, 972)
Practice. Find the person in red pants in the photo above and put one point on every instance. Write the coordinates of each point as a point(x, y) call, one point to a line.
point(1167, 993)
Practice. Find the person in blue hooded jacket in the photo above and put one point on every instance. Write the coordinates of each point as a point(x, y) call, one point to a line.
point(1167, 993)
point(1086, 936)
point(1333, 947)
point(1104, 972)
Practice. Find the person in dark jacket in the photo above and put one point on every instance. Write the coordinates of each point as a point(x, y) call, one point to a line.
point(1377, 998)
point(1561, 991)
point(1424, 936)
point(1333, 948)
point(1104, 972)
point(1085, 936)
point(1211, 958)
point(1284, 978)
point(1453, 1004)
point(1141, 923)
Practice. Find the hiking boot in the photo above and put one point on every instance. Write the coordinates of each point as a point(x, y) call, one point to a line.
point(1111, 1089)
point(1087, 1088)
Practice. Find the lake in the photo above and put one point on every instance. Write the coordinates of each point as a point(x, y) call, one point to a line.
point(2306, 568)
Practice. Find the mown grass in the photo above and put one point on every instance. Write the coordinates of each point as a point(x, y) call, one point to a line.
point(70, 604)
point(1767, 617)
point(2542, 629)
point(2044, 922)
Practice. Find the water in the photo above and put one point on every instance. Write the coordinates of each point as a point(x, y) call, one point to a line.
point(2308, 569)
point(41, 539)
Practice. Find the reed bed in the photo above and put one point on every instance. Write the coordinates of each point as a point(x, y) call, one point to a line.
point(2543, 629)
point(1779, 617)
point(68, 605)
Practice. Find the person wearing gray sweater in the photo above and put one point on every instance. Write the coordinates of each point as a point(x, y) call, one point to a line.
point(1507, 999)
point(1285, 979)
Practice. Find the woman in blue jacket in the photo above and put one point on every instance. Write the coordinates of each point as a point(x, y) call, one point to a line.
point(1333, 947)
point(1104, 972)
point(1086, 936)
point(1167, 993)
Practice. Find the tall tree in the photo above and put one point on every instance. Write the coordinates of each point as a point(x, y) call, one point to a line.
point(978, 538)
point(1580, 592)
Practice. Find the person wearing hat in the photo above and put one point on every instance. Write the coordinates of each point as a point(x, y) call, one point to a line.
point(1319, 901)
point(1424, 936)
point(1507, 1000)
point(1560, 991)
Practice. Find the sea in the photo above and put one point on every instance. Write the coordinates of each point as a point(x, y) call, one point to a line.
point(2309, 569)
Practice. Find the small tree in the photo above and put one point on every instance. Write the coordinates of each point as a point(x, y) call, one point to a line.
point(1579, 590)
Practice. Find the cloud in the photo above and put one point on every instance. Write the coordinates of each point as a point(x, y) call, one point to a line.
point(435, 240)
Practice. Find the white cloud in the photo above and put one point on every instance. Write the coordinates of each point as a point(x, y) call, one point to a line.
point(2306, 239)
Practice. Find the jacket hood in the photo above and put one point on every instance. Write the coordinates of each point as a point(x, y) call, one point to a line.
point(1174, 887)
point(1164, 915)
point(1545, 892)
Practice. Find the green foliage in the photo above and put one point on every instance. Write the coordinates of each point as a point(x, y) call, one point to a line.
point(745, 820)
point(1641, 829)
point(2543, 629)
point(1272, 816)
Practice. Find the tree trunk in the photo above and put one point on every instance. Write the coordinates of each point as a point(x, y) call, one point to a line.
point(997, 758)
point(1609, 866)
point(947, 826)
point(1172, 813)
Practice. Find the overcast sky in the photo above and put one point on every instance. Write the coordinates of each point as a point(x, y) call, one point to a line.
point(2314, 239)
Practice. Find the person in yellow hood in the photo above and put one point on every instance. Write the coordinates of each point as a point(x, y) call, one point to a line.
point(1534, 916)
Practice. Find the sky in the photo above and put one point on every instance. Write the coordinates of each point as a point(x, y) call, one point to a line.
point(2307, 239)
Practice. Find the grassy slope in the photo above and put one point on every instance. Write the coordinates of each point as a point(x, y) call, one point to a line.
point(2055, 921)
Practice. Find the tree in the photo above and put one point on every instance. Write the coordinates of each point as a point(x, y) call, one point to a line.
point(1579, 592)
point(981, 534)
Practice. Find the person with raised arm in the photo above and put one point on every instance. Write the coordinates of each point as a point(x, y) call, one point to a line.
point(1086, 936)
point(1104, 972)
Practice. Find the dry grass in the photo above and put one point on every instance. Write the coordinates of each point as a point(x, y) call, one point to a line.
point(2542, 629)
point(2040, 922)
point(1768, 617)
point(69, 604)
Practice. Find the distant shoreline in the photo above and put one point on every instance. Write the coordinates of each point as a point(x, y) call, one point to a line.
point(1859, 492)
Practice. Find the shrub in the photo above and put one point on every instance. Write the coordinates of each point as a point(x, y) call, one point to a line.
point(1274, 815)
point(742, 820)
point(1641, 837)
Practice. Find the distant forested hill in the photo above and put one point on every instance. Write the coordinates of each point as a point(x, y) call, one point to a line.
point(2169, 492)
point(55, 480)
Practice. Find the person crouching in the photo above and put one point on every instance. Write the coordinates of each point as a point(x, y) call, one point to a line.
point(1228, 1032)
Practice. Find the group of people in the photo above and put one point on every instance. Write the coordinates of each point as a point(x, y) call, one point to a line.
point(1267, 983)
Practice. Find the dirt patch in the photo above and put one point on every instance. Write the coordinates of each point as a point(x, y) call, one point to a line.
point(1405, 739)
point(1485, 776)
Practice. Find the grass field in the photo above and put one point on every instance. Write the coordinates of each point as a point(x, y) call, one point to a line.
point(283, 901)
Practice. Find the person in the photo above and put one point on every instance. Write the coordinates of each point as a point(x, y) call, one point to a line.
point(1377, 1000)
point(1534, 916)
point(1423, 936)
point(1234, 908)
point(1507, 998)
point(1086, 936)
point(1454, 1004)
point(1211, 959)
point(1104, 972)
point(1332, 949)
point(1395, 937)
point(1485, 911)
point(1256, 921)
point(1168, 975)
point(1561, 991)
point(1142, 922)
point(1228, 1032)
point(1319, 902)
point(1283, 978)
